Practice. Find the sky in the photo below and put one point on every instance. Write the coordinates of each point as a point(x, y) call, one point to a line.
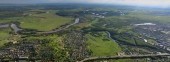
point(155, 3)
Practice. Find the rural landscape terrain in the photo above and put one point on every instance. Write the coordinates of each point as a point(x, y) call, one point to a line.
point(84, 33)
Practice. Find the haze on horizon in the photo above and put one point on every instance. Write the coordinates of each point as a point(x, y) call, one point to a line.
point(152, 3)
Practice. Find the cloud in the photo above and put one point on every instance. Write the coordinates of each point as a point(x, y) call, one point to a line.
point(23, 1)
point(147, 2)
point(124, 2)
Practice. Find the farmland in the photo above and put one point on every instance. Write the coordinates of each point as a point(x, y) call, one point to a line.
point(71, 33)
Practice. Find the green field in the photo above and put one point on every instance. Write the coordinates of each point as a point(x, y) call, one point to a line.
point(4, 35)
point(42, 21)
point(101, 45)
point(147, 16)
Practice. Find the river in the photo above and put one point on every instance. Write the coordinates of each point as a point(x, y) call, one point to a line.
point(77, 20)
point(16, 28)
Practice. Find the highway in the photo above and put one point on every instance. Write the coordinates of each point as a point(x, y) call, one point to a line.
point(123, 57)
point(97, 58)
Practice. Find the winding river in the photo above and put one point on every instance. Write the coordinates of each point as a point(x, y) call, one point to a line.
point(15, 28)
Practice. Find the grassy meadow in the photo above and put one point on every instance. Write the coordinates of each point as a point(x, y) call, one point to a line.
point(100, 45)
point(4, 35)
point(43, 21)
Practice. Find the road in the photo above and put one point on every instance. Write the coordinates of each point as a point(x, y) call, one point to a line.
point(98, 58)
point(77, 20)
point(123, 57)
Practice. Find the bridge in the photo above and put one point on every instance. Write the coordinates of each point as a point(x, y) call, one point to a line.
point(124, 57)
